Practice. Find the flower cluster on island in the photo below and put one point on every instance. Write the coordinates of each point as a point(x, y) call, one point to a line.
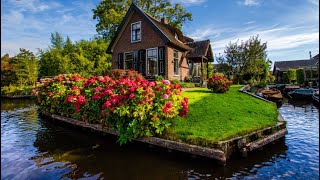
point(132, 106)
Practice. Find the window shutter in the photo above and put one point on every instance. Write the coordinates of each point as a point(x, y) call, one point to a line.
point(120, 61)
point(142, 61)
point(135, 60)
point(161, 61)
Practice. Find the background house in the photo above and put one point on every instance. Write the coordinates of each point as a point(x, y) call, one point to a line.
point(153, 48)
point(310, 67)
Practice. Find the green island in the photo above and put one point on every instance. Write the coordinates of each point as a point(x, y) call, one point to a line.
point(216, 117)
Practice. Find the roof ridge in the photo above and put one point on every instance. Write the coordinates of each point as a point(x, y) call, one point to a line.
point(197, 41)
point(293, 60)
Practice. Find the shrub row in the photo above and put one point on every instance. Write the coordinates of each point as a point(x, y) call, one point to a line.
point(14, 90)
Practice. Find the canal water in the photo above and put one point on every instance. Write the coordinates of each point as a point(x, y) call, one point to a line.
point(33, 147)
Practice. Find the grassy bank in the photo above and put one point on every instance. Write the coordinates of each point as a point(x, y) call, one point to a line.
point(215, 117)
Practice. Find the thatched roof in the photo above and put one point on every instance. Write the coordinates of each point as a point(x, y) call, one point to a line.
point(200, 49)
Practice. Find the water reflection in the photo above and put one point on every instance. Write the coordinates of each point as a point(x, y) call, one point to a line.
point(33, 147)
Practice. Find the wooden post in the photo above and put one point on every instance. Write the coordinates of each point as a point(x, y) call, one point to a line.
point(207, 69)
point(202, 78)
point(192, 72)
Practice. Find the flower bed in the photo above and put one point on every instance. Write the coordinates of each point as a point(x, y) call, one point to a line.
point(134, 107)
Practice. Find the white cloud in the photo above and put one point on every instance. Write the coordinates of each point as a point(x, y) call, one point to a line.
point(279, 38)
point(33, 5)
point(250, 22)
point(251, 2)
point(208, 32)
point(23, 28)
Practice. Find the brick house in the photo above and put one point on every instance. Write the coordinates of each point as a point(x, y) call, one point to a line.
point(154, 48)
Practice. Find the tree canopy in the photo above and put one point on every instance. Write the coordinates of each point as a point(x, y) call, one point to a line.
point(247, 61)
point(85, 57)
point(109, 14)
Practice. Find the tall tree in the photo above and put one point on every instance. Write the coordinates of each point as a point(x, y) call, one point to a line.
point(26, 67)
point(85, 57)
point(110, 13)
point(57, 40)
point(248, 60)
point(7, 70)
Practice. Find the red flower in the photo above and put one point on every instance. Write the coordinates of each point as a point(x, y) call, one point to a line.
point(169, 104)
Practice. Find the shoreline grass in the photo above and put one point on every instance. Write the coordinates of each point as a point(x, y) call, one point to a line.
point(216, 117)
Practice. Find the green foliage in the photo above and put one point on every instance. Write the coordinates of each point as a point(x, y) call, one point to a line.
point(25, 67)
point(183, 84)
point(84, 57)
point(187, 85)
point(300, 76)
point(57, 40)
point(14, 90)
point(109, 14)
point(7, 71)
point(248, 60)
point(292, 75)
point(159, 78)
point(285, 77)
point(175, 81)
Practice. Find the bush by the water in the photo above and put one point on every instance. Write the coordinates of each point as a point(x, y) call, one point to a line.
point(133, 108)
point(218, 83)
point(14, 90)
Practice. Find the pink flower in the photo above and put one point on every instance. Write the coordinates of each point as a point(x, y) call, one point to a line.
point(107, 104)
point(165, 96)
point(165, 82)
point(131, 96)
point(101, 79)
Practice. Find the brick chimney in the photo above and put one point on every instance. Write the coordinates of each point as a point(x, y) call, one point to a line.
point(164, 20)
point(310, 54)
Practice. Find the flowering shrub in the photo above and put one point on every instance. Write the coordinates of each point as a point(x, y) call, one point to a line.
point(120, 73)
point(218, 83)
point(133, 107)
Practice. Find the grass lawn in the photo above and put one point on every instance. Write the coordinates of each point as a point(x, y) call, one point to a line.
point(215, 117)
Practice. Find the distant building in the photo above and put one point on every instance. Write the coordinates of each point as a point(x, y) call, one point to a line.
point(310, 66)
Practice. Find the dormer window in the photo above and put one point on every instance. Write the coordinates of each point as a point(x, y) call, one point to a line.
point(176, 36)
point(136, 32)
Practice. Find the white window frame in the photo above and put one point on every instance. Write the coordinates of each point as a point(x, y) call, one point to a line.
point(124, 58)
point(147, 63)
point(174, 62)
point(134, 41)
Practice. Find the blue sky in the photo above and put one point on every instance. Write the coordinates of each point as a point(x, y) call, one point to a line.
point(290, 27)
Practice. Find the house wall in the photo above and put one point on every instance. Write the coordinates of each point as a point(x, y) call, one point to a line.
point(149, 39)
point(183, 71)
